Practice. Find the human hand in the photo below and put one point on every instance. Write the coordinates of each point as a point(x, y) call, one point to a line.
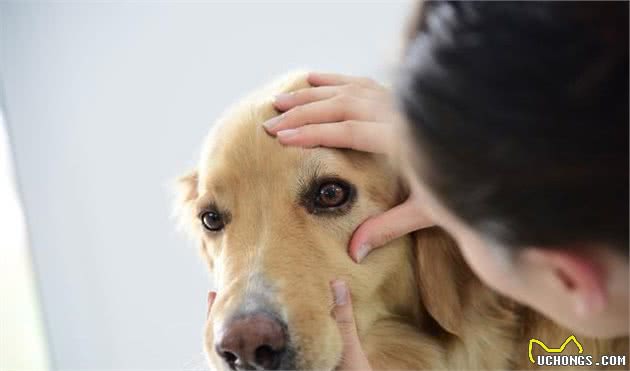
point(350, 112)
point(353, 357)
point(356, 113)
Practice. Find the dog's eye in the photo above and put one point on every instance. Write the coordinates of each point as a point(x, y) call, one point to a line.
point(212, 221)
point(331, 195)
point(328, 196)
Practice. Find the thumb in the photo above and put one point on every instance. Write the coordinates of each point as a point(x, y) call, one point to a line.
point(353, 357)
point(388, 226)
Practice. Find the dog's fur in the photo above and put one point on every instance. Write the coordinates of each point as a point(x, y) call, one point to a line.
point(417, 305)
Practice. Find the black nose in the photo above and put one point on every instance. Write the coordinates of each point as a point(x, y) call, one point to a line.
point(253, 341)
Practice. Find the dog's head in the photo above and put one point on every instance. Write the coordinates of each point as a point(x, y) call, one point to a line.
point(274, 224)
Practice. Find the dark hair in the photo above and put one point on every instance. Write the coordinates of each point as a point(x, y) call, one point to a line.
point(519, 111)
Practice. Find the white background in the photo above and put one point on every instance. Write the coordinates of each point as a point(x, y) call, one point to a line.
point(106, 103)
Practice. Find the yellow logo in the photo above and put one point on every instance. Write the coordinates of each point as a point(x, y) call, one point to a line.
point(553, 350)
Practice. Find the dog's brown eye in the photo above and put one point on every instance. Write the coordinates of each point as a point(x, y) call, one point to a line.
point(328, 196)
point(212, 221)
point(331, 195)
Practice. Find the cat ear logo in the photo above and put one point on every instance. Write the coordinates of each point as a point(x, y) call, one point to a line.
point(553, 350)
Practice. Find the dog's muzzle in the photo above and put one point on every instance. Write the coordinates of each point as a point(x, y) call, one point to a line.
point(255, 341)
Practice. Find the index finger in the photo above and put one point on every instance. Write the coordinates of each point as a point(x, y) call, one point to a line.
point(321, 79)
point(357, 135)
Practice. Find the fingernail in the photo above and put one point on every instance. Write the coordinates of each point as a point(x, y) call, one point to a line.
point(269, 124)
point(282, 96)
point(288, 133)
point(341, 292)
point(362, 251)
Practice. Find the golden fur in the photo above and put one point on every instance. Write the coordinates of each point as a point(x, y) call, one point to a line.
point(416, 303)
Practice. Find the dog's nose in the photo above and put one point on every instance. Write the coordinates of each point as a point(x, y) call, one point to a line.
point(253, 341)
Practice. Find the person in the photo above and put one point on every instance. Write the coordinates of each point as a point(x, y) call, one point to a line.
point(515, 124)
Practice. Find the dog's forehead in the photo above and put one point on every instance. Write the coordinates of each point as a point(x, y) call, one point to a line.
point(253, 156)
point(238, 148)
point(240, 153)
point(238, 136)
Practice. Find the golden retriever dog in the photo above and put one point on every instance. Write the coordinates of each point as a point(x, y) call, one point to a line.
point(274, 223)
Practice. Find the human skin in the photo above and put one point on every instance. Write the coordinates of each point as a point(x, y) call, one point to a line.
point(355, 113)
point(583, 287)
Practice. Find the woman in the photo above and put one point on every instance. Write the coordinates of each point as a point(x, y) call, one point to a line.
point(517, 132)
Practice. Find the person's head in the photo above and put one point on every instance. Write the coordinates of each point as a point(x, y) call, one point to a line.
point(518, 115)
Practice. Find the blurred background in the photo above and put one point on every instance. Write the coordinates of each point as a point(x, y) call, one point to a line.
point(102, 105)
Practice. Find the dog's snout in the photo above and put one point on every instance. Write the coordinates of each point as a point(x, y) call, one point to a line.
point(253, 341)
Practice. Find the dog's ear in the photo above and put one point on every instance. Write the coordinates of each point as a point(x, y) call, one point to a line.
point(186, 194)
point(442, 275)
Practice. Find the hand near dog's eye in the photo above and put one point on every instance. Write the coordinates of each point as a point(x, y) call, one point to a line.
point(382, 228)
point(338, 111)
point(356, 113)
point(331, 195)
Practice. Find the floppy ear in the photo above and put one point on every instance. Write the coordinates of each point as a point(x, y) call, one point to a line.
point(442, 275)
point(186, 194)
point(186, 189)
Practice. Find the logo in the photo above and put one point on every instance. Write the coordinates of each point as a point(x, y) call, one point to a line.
point(553, 350)
point(579, 359)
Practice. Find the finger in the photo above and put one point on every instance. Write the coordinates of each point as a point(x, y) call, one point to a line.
point(353, 357)
point(358, 135)
point(321, 79)
point(285, 101)
point(211, 296)
point(330, 110)
point(383, 228)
